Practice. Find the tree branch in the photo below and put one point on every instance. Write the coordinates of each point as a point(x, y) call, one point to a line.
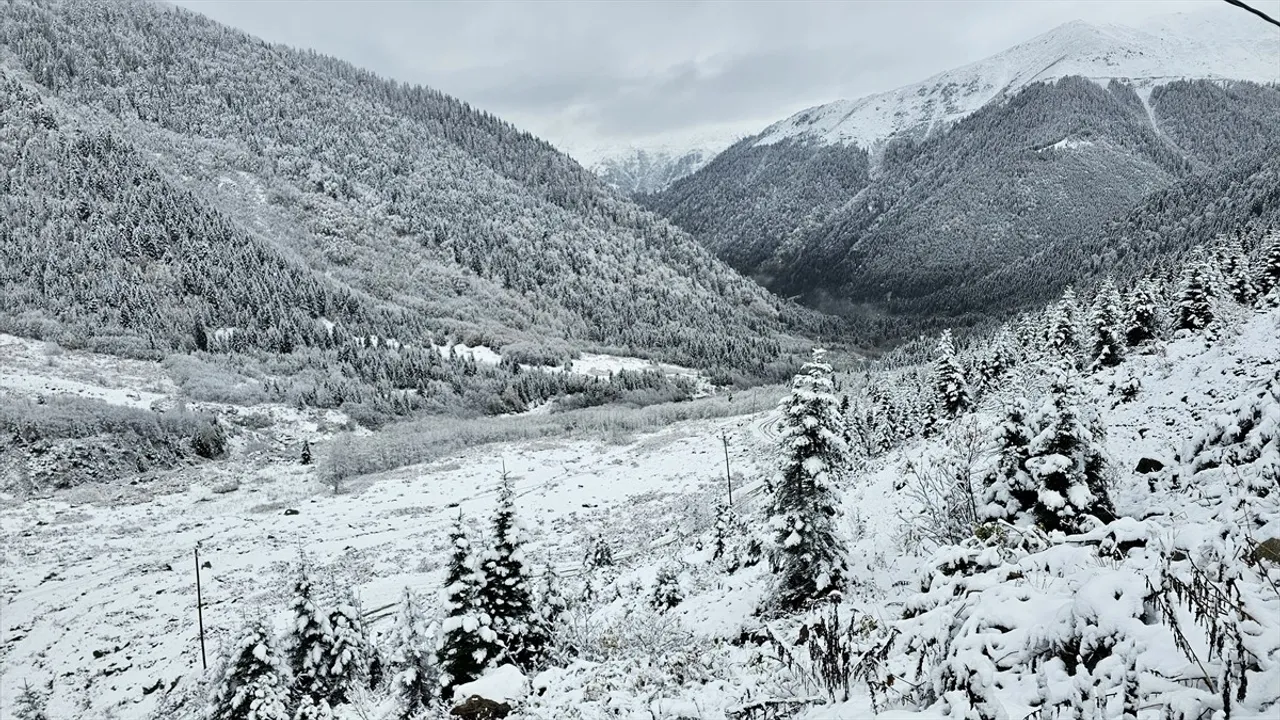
point(1255, 11)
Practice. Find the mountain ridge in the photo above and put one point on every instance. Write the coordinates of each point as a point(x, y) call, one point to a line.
point(1234, 48)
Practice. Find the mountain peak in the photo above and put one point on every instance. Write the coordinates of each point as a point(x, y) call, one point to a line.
point(1202, 45)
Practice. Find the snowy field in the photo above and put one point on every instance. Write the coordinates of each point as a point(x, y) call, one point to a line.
point(99, 588)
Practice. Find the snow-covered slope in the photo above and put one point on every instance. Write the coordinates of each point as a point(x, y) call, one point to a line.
point(1204, 45)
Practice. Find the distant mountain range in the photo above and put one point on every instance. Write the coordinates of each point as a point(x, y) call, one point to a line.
point(992, 185)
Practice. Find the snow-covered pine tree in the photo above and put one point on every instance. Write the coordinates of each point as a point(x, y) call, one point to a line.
point(1235, 270)
point(467, 642)
point(1268, 278)
point(548, 610)
point(1195, 303)
point(506, 595)
point(346, 661)
point(252, 684)
point(1008, 490)
point(1141, 315)
point(414, 678)
point(666, 588)
point(598, 555)
point(308, 639)
point(30, 704)
point(1064, 327)
point(807, 555)
point(1065, 462)
point(998, 359)
point(1105, 322)
point(950, 387)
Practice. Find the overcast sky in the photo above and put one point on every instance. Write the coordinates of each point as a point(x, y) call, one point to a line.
point(587, 74)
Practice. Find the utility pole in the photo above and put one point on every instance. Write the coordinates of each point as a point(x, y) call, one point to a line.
point(204, 662)
point(728, 478)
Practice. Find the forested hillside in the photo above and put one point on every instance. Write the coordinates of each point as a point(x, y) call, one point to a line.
point(169, 180)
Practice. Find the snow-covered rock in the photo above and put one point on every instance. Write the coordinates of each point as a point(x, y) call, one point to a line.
point(502, 684)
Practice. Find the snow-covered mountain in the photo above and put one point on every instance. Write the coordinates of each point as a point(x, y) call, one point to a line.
point(1203, 45)
point(1007, 179)
point(1184, 45)
point(652, 163)
point(637, 170)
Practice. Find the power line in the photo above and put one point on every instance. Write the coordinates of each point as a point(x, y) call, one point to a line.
point(1255, 11)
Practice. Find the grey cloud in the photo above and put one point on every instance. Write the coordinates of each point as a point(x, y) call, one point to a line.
point(583, 72)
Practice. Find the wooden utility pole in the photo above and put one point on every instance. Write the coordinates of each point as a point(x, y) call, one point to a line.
point(204, 662)
point(728, 478)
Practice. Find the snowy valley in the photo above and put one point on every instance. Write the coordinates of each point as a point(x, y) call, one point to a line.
point(329, 396)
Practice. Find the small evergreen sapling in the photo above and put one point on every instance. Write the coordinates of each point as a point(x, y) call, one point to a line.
point(308, 641)
point(1064, 327)
point(1105, 327)
point(252, 685)
point(468, 643)
point(507, 595)
point(414, 677)
point(1236, 271)
point(1268, 279)
point(951, 389)
point(550, 607)
point(1008, 491)
point(1066, 462)
point(1195, 303)
point(1141, 316)
point(666, 589)
point(30, 704)
point(808, 556)
point(346, 660)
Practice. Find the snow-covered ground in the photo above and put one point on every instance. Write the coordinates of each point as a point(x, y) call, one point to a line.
point(99, 597)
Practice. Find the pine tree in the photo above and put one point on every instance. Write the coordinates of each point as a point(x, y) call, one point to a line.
point(1064, 327)
point(346, 661)
point(1195, 304)
point(599, 554)
point(467, 643)
point(999, 358)
point(1008, 491)
point(414, 679)
point(548, 610)
point(308, 641)
point(1140, 314)
point(1105, 327)
point(1065, 460)
point(1268, 280)
point(1235, 271)
point(506, 595)
point(30, 705)
point(724, 527)
point(950, 388)
point(666, 588)
point(252, 685)
point(808, 556)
